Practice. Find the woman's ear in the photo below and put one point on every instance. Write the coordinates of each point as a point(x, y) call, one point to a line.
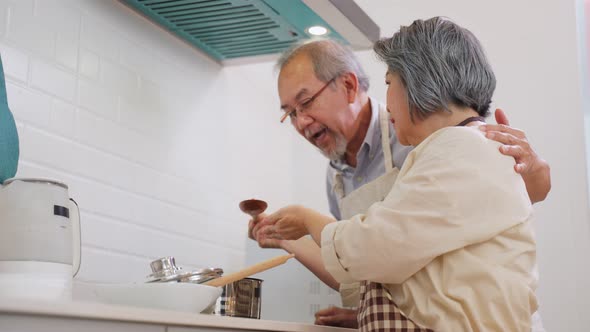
point(351, 84)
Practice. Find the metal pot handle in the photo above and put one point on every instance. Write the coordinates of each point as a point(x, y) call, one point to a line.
point(77, 237)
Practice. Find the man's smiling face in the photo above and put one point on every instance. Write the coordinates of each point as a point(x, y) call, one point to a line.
point(321, 121)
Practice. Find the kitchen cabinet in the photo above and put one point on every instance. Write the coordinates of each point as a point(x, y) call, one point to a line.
point(31, 316)
point(32, 322)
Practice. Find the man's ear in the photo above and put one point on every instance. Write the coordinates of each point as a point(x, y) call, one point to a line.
point(351, 84)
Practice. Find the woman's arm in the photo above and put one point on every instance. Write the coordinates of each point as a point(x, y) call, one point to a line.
point(307, 252)
point(286, 228)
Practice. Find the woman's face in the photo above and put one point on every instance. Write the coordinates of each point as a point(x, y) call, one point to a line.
point(398, 108)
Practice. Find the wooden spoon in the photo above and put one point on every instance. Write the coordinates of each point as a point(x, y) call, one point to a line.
point(253, 207)
point(256, 268)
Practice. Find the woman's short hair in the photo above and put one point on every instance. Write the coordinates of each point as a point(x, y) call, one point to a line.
point(329, 58)
point(440, 63)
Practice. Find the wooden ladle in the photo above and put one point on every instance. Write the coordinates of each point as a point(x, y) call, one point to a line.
point(253, 207)
point(250, 270)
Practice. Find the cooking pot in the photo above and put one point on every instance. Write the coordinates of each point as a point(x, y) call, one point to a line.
point(39, 239)
point(241, 299)
point(238, 299)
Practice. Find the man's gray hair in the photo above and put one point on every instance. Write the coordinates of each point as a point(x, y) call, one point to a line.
point(440, 63)
point(329, 58)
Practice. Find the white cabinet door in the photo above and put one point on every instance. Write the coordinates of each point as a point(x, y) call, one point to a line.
point(203, 329)
point(25, 323)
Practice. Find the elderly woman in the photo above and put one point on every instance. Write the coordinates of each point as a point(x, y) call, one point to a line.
point(451, 247)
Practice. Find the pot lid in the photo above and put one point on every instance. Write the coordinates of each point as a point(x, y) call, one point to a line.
point(165, 270)
point(202, 275)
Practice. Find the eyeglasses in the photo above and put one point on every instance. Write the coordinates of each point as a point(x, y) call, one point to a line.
point(305, 104)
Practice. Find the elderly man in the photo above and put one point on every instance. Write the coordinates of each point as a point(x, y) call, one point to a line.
point(323, 92)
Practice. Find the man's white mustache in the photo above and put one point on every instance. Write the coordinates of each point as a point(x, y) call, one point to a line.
point(309, 133)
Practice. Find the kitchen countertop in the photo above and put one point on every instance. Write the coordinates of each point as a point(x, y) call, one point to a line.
point(99, 311)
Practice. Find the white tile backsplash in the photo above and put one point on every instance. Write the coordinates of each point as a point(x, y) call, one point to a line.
point(15, 63)
point(24, 7)
point(151, 137)
point(108, 233)
point(98, 99)
point(135, 58)
point(118, 79)
point(121, 140)
point(4, 16)
point(143, 115)
point(66, 52)
point(89, 64)
point(63, 118)
point(106, 265)
point(28, 105)
point(58, 16)
point(150, 93)
point(99, 37)
point(25, 31)
point(53, 80)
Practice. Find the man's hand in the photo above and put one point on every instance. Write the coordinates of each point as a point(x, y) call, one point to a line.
point(339, 317)
point(534, 170)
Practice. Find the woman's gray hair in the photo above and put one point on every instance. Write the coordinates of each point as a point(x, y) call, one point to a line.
point(440, 63)
point(329, 58)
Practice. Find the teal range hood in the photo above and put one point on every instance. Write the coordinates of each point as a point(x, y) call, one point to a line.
point(243, 31)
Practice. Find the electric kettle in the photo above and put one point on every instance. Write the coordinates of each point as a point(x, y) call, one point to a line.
point(39, 239)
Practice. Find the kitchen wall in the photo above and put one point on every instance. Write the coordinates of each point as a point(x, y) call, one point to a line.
point(157, 143)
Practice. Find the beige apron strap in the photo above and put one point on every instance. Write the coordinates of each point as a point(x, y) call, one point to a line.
point(338, 184)
point(384, 123)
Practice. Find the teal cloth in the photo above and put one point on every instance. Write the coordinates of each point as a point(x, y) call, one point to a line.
point(9, 149)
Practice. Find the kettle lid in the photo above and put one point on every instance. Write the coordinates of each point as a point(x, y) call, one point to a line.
point(36, 180)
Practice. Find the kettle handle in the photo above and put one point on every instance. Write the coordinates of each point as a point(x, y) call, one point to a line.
point(76, 242)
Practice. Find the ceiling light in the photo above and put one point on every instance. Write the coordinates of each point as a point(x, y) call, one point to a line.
point(317, 30)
